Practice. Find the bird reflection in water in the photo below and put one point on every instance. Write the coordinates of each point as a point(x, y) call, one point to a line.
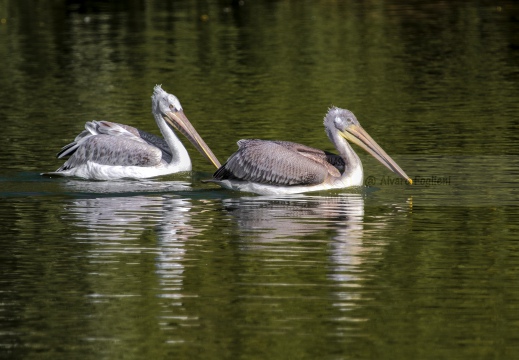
point(117, 227)
point(289, 229)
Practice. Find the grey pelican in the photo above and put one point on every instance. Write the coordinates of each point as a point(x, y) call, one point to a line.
point(281, 167)
point(107, 150)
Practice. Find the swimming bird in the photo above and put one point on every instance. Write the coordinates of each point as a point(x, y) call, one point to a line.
point(107, 151)
point(280, 167)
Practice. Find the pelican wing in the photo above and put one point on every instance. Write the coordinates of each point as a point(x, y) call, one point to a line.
point(336, 160)
point(107, 150)
point(322, 157)
point(97, 128)
point(157, 141)
point(108, 143)
point(116, 129)
point(279, 163)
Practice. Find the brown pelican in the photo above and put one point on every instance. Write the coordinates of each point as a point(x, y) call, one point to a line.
point(281, 167)
point(108, 151)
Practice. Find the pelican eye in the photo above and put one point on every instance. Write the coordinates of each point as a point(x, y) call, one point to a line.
point(175, 107)
point(173, 103)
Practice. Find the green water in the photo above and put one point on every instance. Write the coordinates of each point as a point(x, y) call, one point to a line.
point(173, 268)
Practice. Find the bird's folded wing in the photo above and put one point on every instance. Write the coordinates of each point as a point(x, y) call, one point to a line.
point(114, 151)
point(276, 163)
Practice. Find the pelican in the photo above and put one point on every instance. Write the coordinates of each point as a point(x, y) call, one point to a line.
point(280, 167)
point(108, 151)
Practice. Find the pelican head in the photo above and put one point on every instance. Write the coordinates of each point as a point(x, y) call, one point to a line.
point(343, 123)
point(168, 107)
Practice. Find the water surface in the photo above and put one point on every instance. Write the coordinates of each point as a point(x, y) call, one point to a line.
point(171, 267)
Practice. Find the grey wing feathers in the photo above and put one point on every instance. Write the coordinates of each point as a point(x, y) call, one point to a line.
point(157, 141)
point(115, 129)
point(335, 160)
point(97, 128)
point(106, 150)
point(275, 163)
point(109, 143)
point(331, 161)
point(71, 148)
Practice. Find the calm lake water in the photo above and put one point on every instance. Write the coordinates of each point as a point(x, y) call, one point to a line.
point(173, 268)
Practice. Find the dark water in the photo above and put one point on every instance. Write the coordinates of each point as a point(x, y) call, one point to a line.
point(173, 268)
